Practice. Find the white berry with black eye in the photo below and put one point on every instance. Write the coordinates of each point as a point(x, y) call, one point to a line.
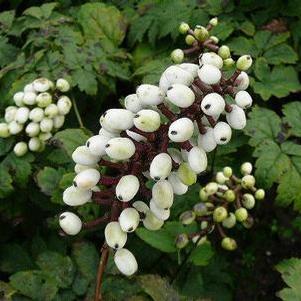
point(162, 194)
point(242, 81)
point(162, 214)
point(83, 156)
point(147, 120)
point(129, 219)
point(120, 148)
point(197, 159)
point(22, 115)
point(132, 103)
point(209, 74)
point(222, 133)
point(181, 130)
point(74, 196)
point(150, 95)
point(87, 179)
point(118, 119)
point(211, 58)
point(115, 237)
point(125, 262)
point(236, 118)
point(178, 187)
point(151, 222)
point(207, 141)
point(192, 69)
point(97, 144)
point(127, 188)
point(175, 75)
point(243, 99)
point(70, 223)
point(160, 166)
point(213, 104)
point(180, 95)
point(64, 105)
point(41, 84)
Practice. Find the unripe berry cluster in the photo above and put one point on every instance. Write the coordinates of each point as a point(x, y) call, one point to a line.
point(39, 111)
point(154, 149)
point(225, 202)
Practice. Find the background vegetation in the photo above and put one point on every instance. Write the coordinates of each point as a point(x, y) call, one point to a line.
point(105, 49)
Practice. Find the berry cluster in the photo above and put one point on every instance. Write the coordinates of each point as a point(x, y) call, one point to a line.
point(39, 110)
point(155, 147)
point(224, 203)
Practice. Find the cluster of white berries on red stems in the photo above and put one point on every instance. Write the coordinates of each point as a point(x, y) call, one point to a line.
point(155, 147)
point(225, 202)
point(39, 111)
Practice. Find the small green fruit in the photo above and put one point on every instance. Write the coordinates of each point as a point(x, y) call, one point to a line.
point(220, 178)
point(230, 221)
point(241, 214)
point(219, 214)
point(248, 182)
point(183, 28)
point(177, 56)
point(203, 194)
point(228, 63)
point(248, 201)
point(229, 196)
point(186, 174)
point(200, 209)
point(229, 244)
point(189, 39)
point(187, 217)
point(211, 188)
point(227, 171)
point(182, 241)
point(213, 21)
point(201, 33)
point(224, 52)
point(246, 168)
point(259, 194)
point(248, 223)
point(214, 39)
point(244, 62)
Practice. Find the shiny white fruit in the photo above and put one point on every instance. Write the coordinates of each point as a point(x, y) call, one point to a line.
point(125, 262)
point(242, 81)
point(74, 196)
point(51, 110)
point(79, 168)
point(18, 99)
point(107, 133)
point(192, 69)
point(115, 237)
point(197, 159)
point(222, 132)
point(120, 148)
point(32, 129)
point(36, 114)
point(10, 114)
point(45, 136)
point(41, 84)
point(64, 105)
point(4, 130)
point(147, 120)
point(213, 104)
point(150, 95)
point(29, 88)
point(132, 103)
point(151, 222)
point(44, 99)
point(246, 168)
point(82, 155)
point(207, 141)
point(181, 130)
point(70, 223)
point(58, 121)
point(178, 187)
point(62, 85)
point(20, 149)
point(160, 166)
point(129, 219)
point(236, 118)
point(180, 95)
point(87, 179)
point(211, 58)
point(127, 188)
point(209, 74)
point(97, 144)
point(46, 125)
point(243, 99)
point(135, 136)
point(117, 119)
point(29, 98)
point(162, 194)
point(162, 214)
point(22, 115)
point(15, 127)
point(34, 144)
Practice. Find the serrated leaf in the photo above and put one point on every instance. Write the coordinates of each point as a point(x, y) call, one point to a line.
point(70, 139)
point(60, 267)
point(41, 12)
point(160, 239)
point(290, 270)
point(36, 285)
point(6, 181)
point(292, 112)
point(202, 254)
point(85, 80)
point(6, 20)
point(8, 52)
point(281, 54)
point(223, 30)
point(248, 28)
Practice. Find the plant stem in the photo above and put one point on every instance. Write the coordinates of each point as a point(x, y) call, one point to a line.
point(80, 122)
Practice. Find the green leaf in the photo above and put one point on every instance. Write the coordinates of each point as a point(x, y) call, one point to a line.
point(290, 270)
point(6, 20)
point(70, 139)
point(60, 267)
point(292, 112)
point(8, 52)
point(158, 288)
point(281, 54)
point(86, 258)
point(6, 291)
point(242, 45)
point(48, 179)
point(160, 239)
point(85, 80)
point(223, 30)
point(36, 285)
point(5, 145)
point(6, 181)
point(41, 12)
point(202, 254)
point(248, 28)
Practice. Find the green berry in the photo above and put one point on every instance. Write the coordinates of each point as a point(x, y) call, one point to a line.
point(189, 39)
point(187, 217)
point(182, 241)
point(241, 214)
point(246, 168)
point(248, 182)
point(183, 28)
point(20, 149)
point(203, 194)
point(214, 39)
point(248, 223)
point(200, 209)
point(227, 171)
point(230, 221)
point(229, 244)
point(4, 130)
point(244, 62)
point(177, 56)
point(220, 178)
point(201, 33)
point(198, 240)
point(219, 214)
point(228, 63)
point(186, 174)
point(213, 21)
point(211, 188)
point(224, 52)
point(229, 196)
point(259, 194)
point(248, 201)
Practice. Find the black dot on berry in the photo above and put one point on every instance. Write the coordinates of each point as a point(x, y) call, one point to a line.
point(104, 114)
point(62, 217)
point(157, 178)
point(88, 144)
point(223, 139)
point(119, 197)
point(74, 184)
point(137, 116)
point(107, 145)
point(130, 229)
point(174, 132)
point(207, 106)
point(169, 88)
point(116, 246)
